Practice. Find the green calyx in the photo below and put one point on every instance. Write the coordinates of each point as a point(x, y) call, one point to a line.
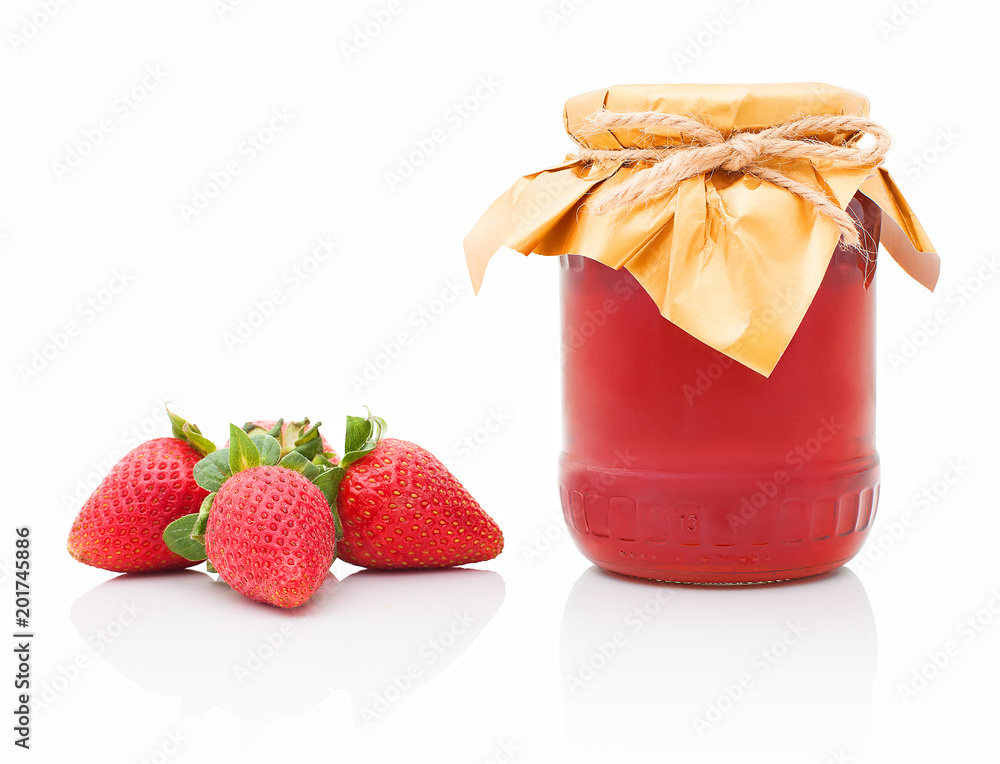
point(360, 438)
point(186, 535)
point(177, 537)
point(302, 437)
point(189, 433)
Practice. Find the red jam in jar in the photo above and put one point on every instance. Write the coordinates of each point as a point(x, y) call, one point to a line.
point(717, 247)
point(681, 464)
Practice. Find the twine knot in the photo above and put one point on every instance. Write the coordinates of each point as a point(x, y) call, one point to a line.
point(744, 150)
point(830, 140)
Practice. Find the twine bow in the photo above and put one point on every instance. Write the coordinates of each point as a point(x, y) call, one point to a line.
point(704, 149)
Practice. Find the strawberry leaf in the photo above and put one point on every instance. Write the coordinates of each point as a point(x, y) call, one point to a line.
point(310, 444)
point(296, 461)
point(212, 471)
point(243, 454)
point(189, 433)
point(358, 431)
point(269, 449)
point(361, 437)
point(323, 460)
point(177, 537)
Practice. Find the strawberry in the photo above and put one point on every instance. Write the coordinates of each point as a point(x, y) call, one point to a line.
point(270, 535)
point(120, 527)
point(267, 528)
point(402, 508)
point(293, 436)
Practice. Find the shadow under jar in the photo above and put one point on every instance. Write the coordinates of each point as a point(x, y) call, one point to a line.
point(680, 464)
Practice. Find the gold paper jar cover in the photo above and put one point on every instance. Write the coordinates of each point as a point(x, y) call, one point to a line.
point(719, 249)
point(726, 107)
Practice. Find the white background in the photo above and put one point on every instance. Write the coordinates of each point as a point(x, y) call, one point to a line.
point(132, 669)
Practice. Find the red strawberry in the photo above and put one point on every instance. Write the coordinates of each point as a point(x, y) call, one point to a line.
point(267, 528)
point(270, 535)
point(402, 508)
point(293, 436)
point(120, 527)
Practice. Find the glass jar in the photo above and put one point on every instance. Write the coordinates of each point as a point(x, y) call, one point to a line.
point(718, 341)
point(681, 464)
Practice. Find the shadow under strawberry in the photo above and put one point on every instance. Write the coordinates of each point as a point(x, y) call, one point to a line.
point(154, 648)
point(197, 639)
point(416, 625)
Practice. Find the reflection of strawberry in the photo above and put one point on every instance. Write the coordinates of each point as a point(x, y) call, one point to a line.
point(246, 654)
point(120, 527)
point(449, 607)
point(147, 608)
point(402, 508)
point(267, 528)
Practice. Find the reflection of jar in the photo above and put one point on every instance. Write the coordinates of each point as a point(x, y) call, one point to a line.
point(682, 464)
point(718, 341)
point(770, 674)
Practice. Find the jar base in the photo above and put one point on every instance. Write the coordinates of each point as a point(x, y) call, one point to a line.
point(708, 578)
point(723, 528)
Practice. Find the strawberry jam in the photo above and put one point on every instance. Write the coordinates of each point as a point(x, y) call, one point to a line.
point(681, 464)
